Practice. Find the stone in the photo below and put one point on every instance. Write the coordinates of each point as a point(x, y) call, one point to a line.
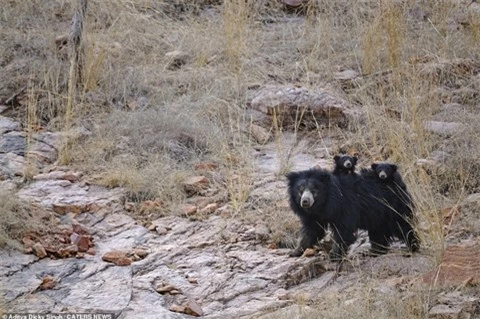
point(188, 209)
point(176, 59)
point(460, 266)
point(118, 258)
point(444, 312)
point(177, 308)
point(259, 134)
point(210, 208)
point(69, 176)
point(309, 252)
point(292, 106)
point(123, 261)
point(8, 125)
point(162, 230)
point(193, 309)
point(66, 252)
point(163, 289)
point(83, 242)
point(262, 231)
point(150, 205)
point(142, 253)
point(445, 129)
point(12, 164)
point(13, 142)
point(39, 250)
point(194, 184)
point(346, 75)
point(48, 282)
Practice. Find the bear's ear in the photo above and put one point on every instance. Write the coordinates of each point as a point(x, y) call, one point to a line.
point(336, 158)
point(394, 167)
point(355, 159)
point(292, 176)
point(374, 166)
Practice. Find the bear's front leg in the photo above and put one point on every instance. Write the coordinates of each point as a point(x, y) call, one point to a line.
point(312, 232)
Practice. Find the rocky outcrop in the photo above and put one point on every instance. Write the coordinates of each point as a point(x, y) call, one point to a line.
point(289, 106)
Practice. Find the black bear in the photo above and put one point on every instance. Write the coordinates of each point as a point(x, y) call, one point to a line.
point(348, 203)
point(388, 173)
point(344, 164)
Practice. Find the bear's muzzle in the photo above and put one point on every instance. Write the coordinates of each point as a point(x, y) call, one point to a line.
point(307, 199)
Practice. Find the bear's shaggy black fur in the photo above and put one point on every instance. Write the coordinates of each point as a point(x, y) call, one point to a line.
point(344, 164)
point(348, 203)
point(384, 192)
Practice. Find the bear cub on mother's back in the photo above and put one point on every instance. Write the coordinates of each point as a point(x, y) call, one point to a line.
point(344, 164)
point(388, 173)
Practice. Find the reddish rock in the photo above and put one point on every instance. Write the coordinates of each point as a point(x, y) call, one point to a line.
point(193, 309)
point(205, 166)
point(79, 229)
point(91, 251)
point(195, 184)
point(150, 205)
point(68, 251)
point(188, 209)
point(28, 242)
point(111, 256)
point(48, 282)
point(124, 261)
point(177, 308)
point(165, 288)
point(82, 241)
point(460, 265)
point(69, 176)
point(210, 208)
point(118, 258)
point(39, 250)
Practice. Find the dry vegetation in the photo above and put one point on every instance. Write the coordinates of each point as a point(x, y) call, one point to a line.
point(151, 119)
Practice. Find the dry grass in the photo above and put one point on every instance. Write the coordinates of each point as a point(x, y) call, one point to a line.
point(151, 120)
point(14, 221)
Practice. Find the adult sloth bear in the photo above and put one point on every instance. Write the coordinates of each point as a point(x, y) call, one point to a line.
point(347, 203)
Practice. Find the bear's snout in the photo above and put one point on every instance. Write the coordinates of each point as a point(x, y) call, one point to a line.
point(307, 199)
point(382, 175)
point(347, 164)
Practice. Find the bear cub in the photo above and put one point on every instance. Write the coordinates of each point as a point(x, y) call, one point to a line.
point(388, 173)
point(344, 164)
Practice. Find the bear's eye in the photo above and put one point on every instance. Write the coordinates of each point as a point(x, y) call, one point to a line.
point(301, 189)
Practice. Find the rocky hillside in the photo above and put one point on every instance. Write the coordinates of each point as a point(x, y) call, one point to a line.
point(161, 193)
